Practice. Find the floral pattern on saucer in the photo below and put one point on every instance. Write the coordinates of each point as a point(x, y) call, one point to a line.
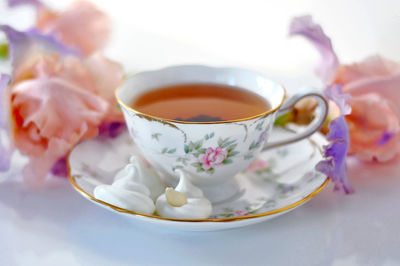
point(276, 179)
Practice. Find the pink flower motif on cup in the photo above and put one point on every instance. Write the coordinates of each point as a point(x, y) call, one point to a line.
point(206, 159)
point(257, 165)
point(213, 157)
point(241, 213)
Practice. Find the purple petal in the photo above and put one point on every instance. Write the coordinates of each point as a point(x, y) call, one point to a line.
point(4, 79)
point(60, 167)
point(4, 158)
point(13, 3)
point(335, 94)
point(329, 64)
point(338, 130)
point(4, 152)
point(111, 129)
point(336, 152)
point(386, 136)
point(335, 164)
point(23, 44)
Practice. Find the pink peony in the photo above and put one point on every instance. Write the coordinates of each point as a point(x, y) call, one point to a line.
point(213, 157)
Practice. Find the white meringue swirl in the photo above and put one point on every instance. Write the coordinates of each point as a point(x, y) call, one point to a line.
point(197, 206)
point(134, 188)
point(140, 173)
point(125, 199)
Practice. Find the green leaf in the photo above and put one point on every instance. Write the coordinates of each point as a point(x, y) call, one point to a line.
point(226, 144)
point(3, 50)
point(212, 135)
point(254, 145)
point(284, 119)
point(198, 144)
point(155, 136)
point(202, 151)
point(172, 150)
point(221, 142)
point(259, 126)
point(186, 148)
point(164, 150)
point(231, 148)
point(233, 153)
point(206, 137)
point(248, 156)
point(200, 169)
point(226, 215)
point(191, 146)
point(196, 164)
point(210, 171)
point(227, 161)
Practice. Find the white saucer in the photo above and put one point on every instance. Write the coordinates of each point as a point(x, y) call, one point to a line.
point(279, 181)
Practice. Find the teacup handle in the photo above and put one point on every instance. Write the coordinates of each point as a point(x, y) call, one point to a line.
point(313, 127)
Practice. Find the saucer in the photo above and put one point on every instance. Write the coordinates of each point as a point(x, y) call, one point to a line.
point(277, 182)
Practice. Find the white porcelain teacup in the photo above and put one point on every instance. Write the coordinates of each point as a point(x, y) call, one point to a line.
point(211, 152)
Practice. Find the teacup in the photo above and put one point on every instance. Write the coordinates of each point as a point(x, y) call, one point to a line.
point(212, 153)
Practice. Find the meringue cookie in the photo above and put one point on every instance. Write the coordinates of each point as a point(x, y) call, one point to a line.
point(140, 173)
point(193, 206)
point(126, 199)
point(134, 188)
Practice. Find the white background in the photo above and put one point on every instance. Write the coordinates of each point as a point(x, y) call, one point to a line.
point(56, 226)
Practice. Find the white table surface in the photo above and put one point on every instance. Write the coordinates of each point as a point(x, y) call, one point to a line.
point(54, 225)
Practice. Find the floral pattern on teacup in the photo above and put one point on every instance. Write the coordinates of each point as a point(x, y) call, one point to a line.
point(206, 158)
point(213, 157)
point(255, 145)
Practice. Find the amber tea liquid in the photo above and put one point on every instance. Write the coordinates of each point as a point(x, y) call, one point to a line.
point(200, 103)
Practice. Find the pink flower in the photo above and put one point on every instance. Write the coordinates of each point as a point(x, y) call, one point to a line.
point(213, 157)
point(374, 124)
point(56, 99)
point(257, 165)
point(82, 26)
point(241, 213)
